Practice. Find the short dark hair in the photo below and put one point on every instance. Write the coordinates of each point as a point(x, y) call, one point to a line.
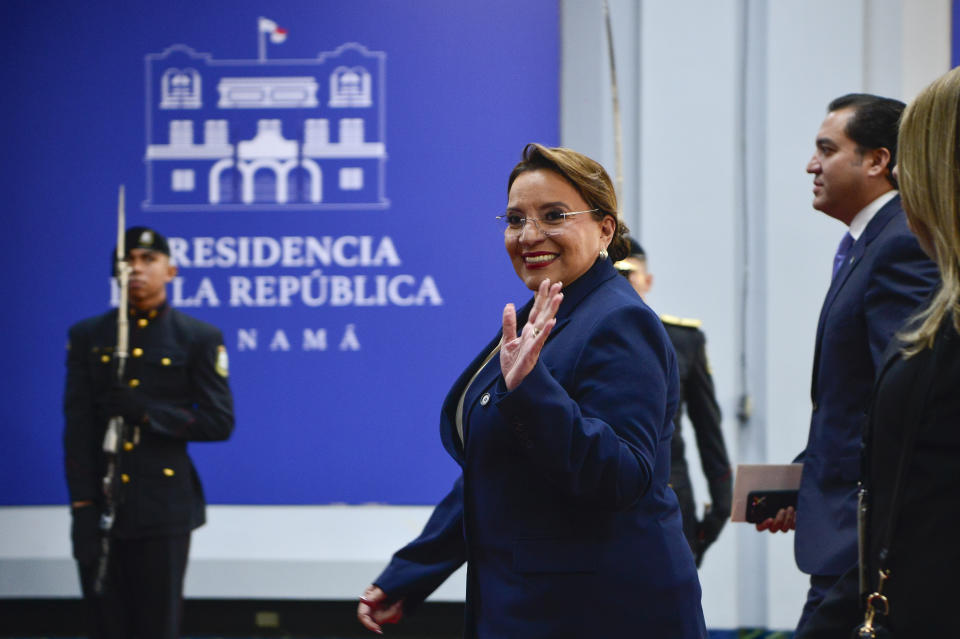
point(873, 125)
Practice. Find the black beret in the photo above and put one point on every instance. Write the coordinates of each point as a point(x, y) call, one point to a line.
point(141, 237)
point(635, 249)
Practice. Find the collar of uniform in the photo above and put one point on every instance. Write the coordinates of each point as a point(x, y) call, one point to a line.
point(149, 314)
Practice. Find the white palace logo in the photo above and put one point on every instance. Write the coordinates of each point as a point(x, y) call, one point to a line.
point(266, 134)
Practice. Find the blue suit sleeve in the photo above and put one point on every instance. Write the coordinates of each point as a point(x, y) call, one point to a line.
point(597, 438)
point(901, 281)
point(419, 568)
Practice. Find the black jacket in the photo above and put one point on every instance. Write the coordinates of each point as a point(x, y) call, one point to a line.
point(924, 556)
point(698, 398)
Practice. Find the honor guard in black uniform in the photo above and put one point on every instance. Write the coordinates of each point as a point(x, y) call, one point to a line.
point(174, 390)
point(698, 397)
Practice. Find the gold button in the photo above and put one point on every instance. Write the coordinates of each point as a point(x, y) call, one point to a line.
point(165, 361)
point(137, 352)
point(142, 322)
point(125, 478)
point(104, 358)
point(153, 313)
point(168, 472)
point(128, 446)
point(134, 383)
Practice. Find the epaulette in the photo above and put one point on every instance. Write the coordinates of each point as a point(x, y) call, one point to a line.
point(686, 322)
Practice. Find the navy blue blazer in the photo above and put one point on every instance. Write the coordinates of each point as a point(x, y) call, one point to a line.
point(884, 279)
point(563, 511)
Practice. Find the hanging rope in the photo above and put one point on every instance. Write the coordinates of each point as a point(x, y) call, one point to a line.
point(615, 94)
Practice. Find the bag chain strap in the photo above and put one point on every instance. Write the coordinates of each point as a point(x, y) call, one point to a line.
point(877, 603)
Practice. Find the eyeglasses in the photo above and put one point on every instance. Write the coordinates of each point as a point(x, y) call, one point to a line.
point(551, 223)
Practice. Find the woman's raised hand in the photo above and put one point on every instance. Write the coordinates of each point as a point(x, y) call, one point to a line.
point(519, 354)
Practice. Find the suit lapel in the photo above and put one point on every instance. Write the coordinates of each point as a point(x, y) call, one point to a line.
point(448, 424)
point(857, 251)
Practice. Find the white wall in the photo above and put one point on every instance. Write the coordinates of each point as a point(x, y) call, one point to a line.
point(720, 101)
point(256, 552)
point(688, 182)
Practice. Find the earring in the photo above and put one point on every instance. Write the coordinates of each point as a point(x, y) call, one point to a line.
point(603, 254)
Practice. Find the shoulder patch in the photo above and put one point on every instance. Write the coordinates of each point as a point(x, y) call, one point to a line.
point(681, 321)
point(223, 362)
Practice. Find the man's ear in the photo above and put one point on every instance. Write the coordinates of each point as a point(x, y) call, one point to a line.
point(171, 273)
point(877, 162)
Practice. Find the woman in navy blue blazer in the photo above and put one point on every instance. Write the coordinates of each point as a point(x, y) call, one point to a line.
point(562, 428)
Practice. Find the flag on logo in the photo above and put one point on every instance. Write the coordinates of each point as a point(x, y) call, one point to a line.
point(277, 34)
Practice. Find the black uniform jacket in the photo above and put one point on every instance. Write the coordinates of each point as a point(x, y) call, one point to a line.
point(179, 365)
point(698, 397)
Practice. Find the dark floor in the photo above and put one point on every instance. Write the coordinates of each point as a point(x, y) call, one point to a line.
point(713, 634)
point(264, 619)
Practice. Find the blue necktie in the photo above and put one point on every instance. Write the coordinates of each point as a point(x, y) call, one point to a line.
point(842, 250)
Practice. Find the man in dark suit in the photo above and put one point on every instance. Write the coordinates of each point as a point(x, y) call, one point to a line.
point(880, 277)
point(697, 397)
point(174, 390)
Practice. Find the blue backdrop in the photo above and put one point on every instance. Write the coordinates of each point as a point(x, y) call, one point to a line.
point(328, 177)
point(955, 33)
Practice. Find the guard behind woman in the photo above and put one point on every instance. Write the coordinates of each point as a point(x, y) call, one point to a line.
point(914, 515)
point(699, 400)
point(561, 426)
point(174, 390)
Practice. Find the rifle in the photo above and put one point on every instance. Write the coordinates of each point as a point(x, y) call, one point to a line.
point(116, 428)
